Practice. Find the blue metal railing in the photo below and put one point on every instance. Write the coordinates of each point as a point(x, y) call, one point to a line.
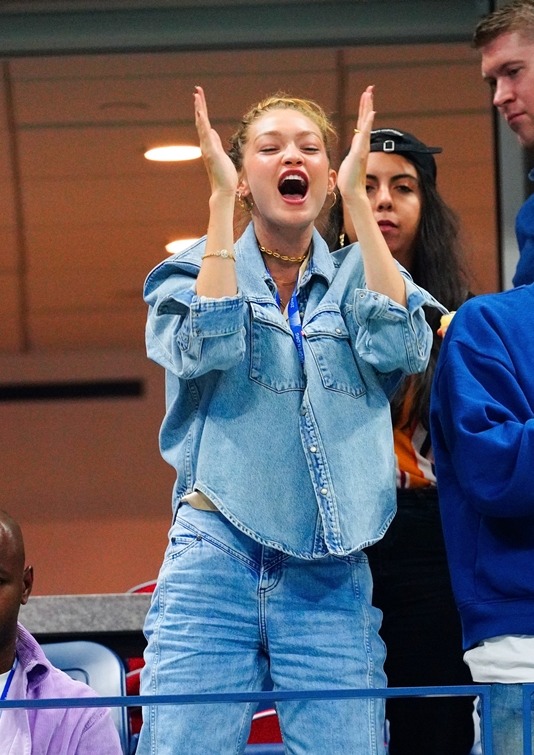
point(483, 691)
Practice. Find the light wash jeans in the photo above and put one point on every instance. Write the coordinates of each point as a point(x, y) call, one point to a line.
point(229, 615)
point(507, 719)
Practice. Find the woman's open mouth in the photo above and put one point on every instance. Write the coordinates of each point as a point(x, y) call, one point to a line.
point(293, 186)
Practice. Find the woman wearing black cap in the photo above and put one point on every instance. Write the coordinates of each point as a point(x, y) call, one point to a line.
point(421, 627)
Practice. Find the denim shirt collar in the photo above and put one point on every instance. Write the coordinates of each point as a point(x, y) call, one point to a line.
point(251, 267)
point(253, 277)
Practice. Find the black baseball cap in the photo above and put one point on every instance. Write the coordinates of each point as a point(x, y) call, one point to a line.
point(403, 143)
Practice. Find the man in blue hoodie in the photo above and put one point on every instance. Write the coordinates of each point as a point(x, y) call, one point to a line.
point(505, 39)
point(482, 425)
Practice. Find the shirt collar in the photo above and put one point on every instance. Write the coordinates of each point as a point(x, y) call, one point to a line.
point(319, 263)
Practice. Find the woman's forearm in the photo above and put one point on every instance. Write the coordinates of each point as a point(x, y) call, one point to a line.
point(381, 272)
point(217, 276)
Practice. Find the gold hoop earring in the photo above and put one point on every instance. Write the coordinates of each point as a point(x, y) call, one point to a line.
point(245, 203)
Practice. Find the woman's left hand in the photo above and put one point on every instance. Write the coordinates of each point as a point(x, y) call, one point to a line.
point(381, 272)
point(351, 178)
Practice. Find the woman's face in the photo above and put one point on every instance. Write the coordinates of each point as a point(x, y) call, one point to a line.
point(286, 170)
point(395, 195)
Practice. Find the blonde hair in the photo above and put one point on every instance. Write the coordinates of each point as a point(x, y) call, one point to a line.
point(281, 101)
point(515, 16)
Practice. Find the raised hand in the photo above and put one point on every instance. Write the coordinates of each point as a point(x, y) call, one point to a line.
point(221, 170)
point(352, 172)
point(381, 272)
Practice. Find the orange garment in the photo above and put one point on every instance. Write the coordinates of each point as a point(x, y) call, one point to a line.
point(413, 453)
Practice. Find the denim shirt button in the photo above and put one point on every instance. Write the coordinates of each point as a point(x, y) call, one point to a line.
point(338, 330)
point(313, 449)
point(324, 491)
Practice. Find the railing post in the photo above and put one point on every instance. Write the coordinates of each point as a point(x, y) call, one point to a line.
point(528, 690)
point(486, 724)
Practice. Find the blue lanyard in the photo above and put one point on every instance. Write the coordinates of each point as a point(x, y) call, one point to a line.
point(295, 322)
point(9, 679)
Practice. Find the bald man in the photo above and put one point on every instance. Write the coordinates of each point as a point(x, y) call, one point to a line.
point(25, 673)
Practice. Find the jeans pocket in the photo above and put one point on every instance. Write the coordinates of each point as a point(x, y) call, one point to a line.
point(181, 539)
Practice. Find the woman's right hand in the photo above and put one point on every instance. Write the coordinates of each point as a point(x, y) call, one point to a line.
point(221, 170)
point(217, 275)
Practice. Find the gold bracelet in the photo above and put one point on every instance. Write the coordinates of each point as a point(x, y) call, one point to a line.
point(224, 253)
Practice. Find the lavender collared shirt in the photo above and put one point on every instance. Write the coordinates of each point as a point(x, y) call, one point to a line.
point(52, 731)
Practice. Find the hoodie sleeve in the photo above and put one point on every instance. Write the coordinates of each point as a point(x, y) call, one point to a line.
point(482, 421)
point(524, 228)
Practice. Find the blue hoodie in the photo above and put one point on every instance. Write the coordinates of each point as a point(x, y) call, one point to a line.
point(524, 230)
point(482, 425)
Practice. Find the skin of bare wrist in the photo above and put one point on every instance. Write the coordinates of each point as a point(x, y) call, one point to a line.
point(357, 200)
point(221, 197)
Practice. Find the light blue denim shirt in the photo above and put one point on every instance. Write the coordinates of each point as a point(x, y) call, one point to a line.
point(300, 459)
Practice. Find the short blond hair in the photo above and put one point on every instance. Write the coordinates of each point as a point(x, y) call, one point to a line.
point(281, 101)
point(515, 16)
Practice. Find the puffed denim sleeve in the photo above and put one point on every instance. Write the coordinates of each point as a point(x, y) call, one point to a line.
point(392, 337)
point(191, 335)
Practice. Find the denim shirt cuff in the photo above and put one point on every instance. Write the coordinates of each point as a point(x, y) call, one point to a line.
point(216, 317)
point(209, 317)
point(418, 297)
point(371, 304)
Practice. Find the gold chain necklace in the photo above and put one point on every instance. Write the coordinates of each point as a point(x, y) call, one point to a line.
point(283, 257)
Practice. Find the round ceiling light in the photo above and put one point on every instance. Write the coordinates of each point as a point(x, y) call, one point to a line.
point(173, 153)
point(179, 245)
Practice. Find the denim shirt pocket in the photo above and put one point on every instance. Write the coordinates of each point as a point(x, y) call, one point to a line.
point(328, 341)
point(274, 361)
